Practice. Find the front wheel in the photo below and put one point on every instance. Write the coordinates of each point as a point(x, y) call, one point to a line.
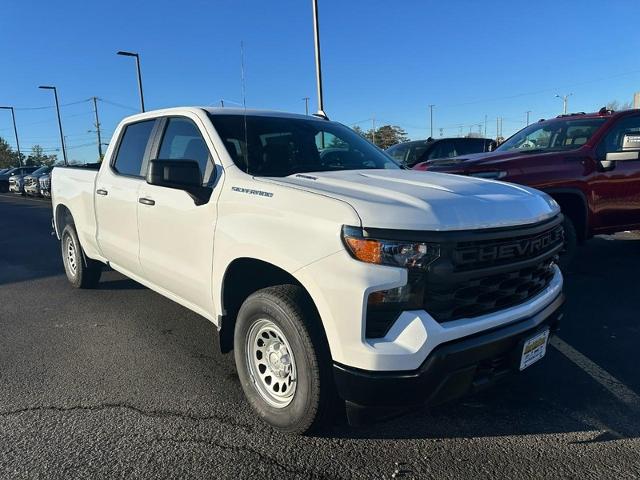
point(570, 247)
point(282, 359)
point(81, 272)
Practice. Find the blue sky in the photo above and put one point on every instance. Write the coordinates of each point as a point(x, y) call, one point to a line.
point(380, 58)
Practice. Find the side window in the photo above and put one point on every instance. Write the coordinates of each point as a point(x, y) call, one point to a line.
point(417, 154)
point(399, 153)
point(444, 149)
point(612, 141)
point(132, 147)
point(182, 140)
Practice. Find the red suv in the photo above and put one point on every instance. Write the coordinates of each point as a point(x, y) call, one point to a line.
point(588, 162)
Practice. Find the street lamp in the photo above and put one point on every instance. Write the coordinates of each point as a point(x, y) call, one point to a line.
point(137, 57)
point(564, 98)
point(306, 105)
point(15, 130)
point(55, 94)
point(316, 39)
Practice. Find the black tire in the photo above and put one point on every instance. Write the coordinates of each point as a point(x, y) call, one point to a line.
point(568, 252)
point(82, 272)
point(313, 399)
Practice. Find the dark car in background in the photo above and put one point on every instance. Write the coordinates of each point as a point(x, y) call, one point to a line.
point(30, 182)
point(411, 153)
point(16, 180)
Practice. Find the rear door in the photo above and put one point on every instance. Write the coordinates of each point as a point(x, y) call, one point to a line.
point(617, 191)
point(176, 235)
point(116, 197)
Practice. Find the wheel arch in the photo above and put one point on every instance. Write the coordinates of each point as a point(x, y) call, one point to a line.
point(573, 204)
point(244, 276)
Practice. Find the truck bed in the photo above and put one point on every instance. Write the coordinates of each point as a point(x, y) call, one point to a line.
point(74, 187)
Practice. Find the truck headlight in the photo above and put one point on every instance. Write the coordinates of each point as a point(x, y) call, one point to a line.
point(490, 175)
point(384, 306)
point(394, 253)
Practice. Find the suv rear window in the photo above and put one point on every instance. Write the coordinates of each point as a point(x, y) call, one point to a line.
point(134, 142)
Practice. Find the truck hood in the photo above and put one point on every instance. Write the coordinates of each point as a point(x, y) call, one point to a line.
point(487, 159)
point(412, 200)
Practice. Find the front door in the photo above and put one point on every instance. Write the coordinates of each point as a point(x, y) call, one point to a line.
point(176, 235)
point(617, 190)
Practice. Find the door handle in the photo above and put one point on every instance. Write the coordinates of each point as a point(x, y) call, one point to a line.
point(146, 201)
point(101, 191)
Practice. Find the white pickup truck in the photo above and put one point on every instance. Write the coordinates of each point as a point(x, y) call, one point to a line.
point(330, 271)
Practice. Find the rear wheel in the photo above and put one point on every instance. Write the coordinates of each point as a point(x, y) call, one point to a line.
point(282, 360)
point(81, 272)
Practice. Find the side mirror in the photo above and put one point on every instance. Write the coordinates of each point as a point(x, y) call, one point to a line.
point(180, 175)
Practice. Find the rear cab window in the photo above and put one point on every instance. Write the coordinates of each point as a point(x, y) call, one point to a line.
point(132, 148)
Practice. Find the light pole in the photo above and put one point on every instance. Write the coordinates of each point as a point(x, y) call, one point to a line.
point(15, 130)
point(95, 111)
point(528, 112)
point(55, 94)
point(431, 120)
point(137, 57)
point(316, 38)
point(565, 99)
point(306, 105)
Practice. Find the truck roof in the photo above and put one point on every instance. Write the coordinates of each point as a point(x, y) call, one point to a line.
point(603, 112)
point(222, 111)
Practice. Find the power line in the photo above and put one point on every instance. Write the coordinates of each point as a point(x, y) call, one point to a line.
point(46, 107)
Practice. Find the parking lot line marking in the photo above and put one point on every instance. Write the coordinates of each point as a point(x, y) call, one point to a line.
point(604, 378)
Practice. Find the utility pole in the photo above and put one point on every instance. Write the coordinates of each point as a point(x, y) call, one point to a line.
point(316, 37)
point(306, 105)
point(431, 120)
point(565, 101)
point(95, 111)
point(373, 130)
point(15, 131)
point(528, 112)
point(442, 132)
point(497, 128)
point(485, 126)
point(137, 57)
point(221, 103)
point(55, 94)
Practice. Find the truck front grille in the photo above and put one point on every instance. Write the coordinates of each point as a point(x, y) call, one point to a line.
point(492, 270)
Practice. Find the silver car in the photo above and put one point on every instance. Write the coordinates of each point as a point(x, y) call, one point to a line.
point(16, 182)
point(30, 182)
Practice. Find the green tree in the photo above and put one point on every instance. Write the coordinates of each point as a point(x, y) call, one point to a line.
point(8, 158)
point(387, 135)
point(38, 157)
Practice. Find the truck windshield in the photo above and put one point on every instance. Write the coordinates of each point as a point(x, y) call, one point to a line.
point(554, 135)
point(282, 146)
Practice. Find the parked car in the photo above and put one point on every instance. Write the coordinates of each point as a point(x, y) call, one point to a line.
point(44, 183)
point(4, 178)
point(589, 163)
point(411, 153)
point(16, 182)
point(384, 285)
point(30, 182)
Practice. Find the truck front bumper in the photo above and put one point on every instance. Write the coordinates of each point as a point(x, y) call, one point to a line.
point(452, 369)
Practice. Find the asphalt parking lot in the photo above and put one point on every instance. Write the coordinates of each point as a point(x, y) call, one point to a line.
point(121, 382)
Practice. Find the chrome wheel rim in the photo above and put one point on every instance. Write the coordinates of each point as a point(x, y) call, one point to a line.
point(271, 363)
point(71, 256)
